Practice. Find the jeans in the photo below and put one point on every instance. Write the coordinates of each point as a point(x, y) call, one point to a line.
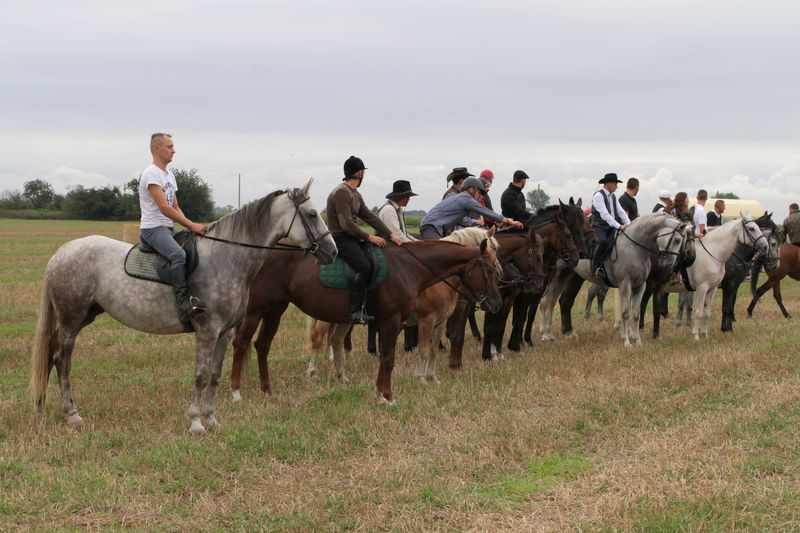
point(429, 232)
point(160, 239)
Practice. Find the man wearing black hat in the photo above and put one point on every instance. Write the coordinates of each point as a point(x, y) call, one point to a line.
point(345, 206)
point(607, 217)
point(512, 202)
point(458, 175)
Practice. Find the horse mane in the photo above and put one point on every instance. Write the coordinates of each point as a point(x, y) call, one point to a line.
point(543, 216)
point(470, 237)
point(649, 219)
point(251, 219)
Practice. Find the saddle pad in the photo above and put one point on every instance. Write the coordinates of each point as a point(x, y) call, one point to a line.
point(335, 275)
point(142, 265)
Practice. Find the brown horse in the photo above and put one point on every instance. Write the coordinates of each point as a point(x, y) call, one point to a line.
point(789, 265)
point(412, 268)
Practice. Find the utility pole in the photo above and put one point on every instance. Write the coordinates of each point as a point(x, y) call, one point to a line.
point(240, 192)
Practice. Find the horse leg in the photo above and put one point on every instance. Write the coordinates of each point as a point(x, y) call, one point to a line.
point(489, 335)
point(455, 333)
point(635, 309)
point(205, 345)
point(340, 331)
point(618, 305)
point(520, 306)
point(347, 343)
point(776, 293)
point(728, 304)
point(62, 360)
point(546, 306)
point(317, 335)
point(390, 329)
point(572, 287)
point(707, 309)
point(529, 315)
point(699, 305)
point(590, 296)
point(473, 325)
point(601, 298)
point(426, 358)
point(624, 292)
point(757, 296)
point(372, 333)
point(241, 349)
point(269, 327)
point(213, 381)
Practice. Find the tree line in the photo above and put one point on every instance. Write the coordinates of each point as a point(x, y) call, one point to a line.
point(38, 199)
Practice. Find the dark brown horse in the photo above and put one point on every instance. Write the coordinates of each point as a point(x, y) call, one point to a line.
point(789, 265)
point(290, 278)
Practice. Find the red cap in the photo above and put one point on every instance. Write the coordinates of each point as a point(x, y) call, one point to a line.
point(488, 174)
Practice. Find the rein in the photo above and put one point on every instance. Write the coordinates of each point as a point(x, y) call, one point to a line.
point(477, 302)
point(658, 252)
point(754, 241)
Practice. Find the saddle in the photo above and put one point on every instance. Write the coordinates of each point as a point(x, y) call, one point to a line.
point(143, 262)
point(339, 275)
point(612, 244)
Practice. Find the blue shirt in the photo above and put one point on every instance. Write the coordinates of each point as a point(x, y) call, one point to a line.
point(453, 210)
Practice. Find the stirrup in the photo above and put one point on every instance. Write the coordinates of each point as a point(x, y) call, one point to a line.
point(198, 306)
point(600, 273)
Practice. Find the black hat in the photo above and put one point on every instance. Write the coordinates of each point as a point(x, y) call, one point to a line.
point(400, 189)
point(520, 175)
point(353, 165)
point(459, 173)
point(610, 178)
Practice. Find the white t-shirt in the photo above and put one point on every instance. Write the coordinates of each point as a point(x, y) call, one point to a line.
point(699, 217)
point(152, 217)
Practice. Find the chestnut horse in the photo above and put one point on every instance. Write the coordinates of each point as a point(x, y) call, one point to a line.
point(289, 278)
point(789, 265)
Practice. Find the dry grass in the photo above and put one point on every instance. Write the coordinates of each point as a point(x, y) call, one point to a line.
point(568, 435)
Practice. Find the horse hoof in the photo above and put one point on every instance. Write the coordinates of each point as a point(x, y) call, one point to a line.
point(311, 372)
point(638, 342)
point(547, 337)
point(571, 335)
point(197, 428)
point(434, 380)
point(383, 401)
point(627, 343)
point(236, 396)
point(344, 379)
point(349, 354)
point(213, 423)
point(74, 420)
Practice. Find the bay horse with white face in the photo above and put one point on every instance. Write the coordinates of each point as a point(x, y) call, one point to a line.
point(413, 267)
point(86, 277)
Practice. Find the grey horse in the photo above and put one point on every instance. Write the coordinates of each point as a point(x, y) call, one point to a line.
point(629, 263)
point(86, 277)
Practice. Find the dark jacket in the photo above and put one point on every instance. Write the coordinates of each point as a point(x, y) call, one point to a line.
point(512, 204)
point(629, 204)
point(713, 219)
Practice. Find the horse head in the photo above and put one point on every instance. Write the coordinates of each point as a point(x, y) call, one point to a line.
point(670, 240)
point(751, 235)
point(311, 232)
point(774, 238)
point(481, 277)
point(577, 223)
point(566, 243)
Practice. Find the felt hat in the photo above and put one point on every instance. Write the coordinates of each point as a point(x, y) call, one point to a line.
point(400, 189)
point(610, 178)
point(459, 173)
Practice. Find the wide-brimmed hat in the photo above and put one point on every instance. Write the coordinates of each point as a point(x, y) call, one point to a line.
point(400, 189)
point(459, 173)
point(610, 178)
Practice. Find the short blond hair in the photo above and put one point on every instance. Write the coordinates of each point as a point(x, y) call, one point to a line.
point(158, 138)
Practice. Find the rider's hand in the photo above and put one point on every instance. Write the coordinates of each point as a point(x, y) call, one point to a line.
point(194, 227)
point(377, 241)
point(397, 239)
point(622, 227)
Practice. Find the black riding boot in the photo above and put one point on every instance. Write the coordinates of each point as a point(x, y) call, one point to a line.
point(358, 301)
point(189, 306)
point(597, 261)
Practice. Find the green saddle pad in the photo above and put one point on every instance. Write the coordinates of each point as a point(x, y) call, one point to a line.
point(334, 276)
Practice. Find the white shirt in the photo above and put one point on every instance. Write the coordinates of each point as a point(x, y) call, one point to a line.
point(699, 218)
point(152, 217)
point(388, 215)
point(600, 206)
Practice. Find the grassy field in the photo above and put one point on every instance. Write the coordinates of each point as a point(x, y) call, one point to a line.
point(574, 434)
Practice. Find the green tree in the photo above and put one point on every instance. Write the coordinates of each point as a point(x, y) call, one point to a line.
point(726, 196)
point(94, 204)
point(14, 200)
point(39, 193)
point(538, 198)
point(194, 195)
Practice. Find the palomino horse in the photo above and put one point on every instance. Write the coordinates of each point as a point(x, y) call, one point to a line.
point(712, 252)
point(412, 268)
point(86, 277)
point(629, 264)
point(789, 266)
point(433, 307)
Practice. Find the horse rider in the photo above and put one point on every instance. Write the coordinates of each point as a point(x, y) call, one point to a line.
point(345, 206)
point(714, 218)
point(699, 213)
point(608, 217)
point(487, 178)
point(628, 198)
point(392, 213)
point(791, 225)
point(664, 198)
point(455, 210)
point(158, 201)
point(457, 176)
point(512, 201)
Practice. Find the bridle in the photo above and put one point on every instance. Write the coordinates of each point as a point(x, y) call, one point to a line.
point(744, 231)
point(660, 253)
point(476, 301)
point(772, 229)
point(525, 280)
point(313, 249)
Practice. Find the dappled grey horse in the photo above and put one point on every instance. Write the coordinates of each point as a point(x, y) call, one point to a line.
point(629, 263)
point(86, 277)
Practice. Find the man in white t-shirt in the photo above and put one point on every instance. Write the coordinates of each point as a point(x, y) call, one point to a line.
point(158, 201)
point(699, 215)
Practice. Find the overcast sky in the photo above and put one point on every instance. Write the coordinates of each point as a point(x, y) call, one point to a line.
point(681, 94)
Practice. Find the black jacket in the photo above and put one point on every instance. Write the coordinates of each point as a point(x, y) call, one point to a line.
point(512, 204)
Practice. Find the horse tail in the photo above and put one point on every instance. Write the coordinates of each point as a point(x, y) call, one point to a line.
point(754, 277)
point(40, 353)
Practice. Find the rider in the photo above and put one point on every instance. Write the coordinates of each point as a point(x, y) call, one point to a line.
point(458, 175)
point(791, 225)
point(604, 223)
point(454, 210)
point(512, 201)
point(345, 206)
point(159, 205)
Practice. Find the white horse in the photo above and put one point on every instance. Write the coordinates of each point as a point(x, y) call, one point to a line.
point(86, 277)
point(629, 263)
point(713, 251)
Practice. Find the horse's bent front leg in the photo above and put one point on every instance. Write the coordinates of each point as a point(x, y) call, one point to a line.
point(389, 330)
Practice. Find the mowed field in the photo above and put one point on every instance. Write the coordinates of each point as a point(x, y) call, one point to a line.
point(573, 434)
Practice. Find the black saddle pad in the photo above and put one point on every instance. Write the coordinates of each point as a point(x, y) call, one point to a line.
point(143, 262)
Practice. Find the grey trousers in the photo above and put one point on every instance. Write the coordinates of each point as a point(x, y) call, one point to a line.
point(160, 239)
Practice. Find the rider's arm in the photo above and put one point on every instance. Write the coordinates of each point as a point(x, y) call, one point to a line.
point(173, 212)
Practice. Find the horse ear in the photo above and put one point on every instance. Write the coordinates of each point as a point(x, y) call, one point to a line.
point(571, 201)
point(579, 203)
point(484, 246)
point(491, 232)
point(306, 187)
point(560, 203)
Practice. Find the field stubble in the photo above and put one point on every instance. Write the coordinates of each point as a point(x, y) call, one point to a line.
point(577, 434)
